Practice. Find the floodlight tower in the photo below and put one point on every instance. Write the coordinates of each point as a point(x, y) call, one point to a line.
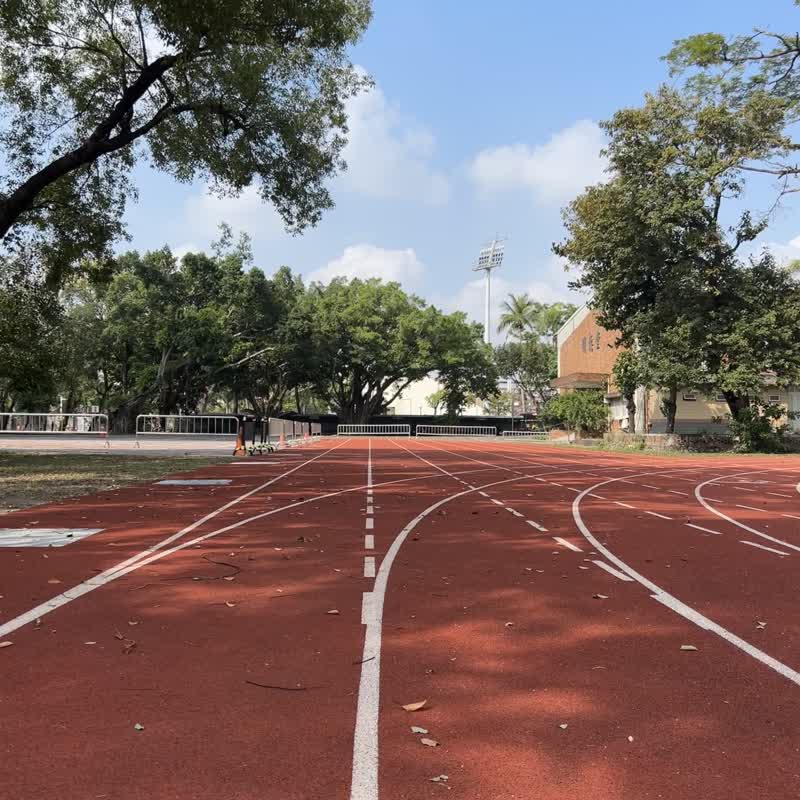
point(489, 258)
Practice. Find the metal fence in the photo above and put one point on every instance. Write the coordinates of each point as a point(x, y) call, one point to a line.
point(186, 425)
point(23, 422)
point(456, 430)
point(273, 429)
point(373, 430)
point(539, 436)
point(316, 429)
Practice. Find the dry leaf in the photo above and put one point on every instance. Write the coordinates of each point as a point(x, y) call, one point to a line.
point(229, 604)
point(54, 580)
point(563, 726)
point(440, 779)
point(600, 596)
point(138, 726)
point(415, 729)
point(415, 706)
point(6, 644)
point(429, 742)
point(133, 622)
point(509, 624)
point(333, 611)
point(688, 647)
point(90, 642)
point(630, 738)
point(229, 578)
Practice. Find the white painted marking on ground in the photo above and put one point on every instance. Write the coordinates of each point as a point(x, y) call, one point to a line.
point(700, 528)
point(483, 493)
point(611, 571)
point(536, 525)
point(650, 486)
point(671, 602)
point(572, 488)
point(369, 566)
point(369, 523)
point(656, 514)
point(567, 544)
point(556, 484)
point(514, 512)
point(778, 494)
point(749, 508)
point(674, 491)
point(369, 541)
point(497, 502)
point(598, 496)
point(764, 547)
point(43, 537)
point(370, 509)
point(791, 516)
point(624, 505)
point(194, 482)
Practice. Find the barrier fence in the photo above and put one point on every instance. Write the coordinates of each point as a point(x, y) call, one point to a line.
point(186, 425)
point(373, 430)
point(29, 422)
point(273, 428)
point(456, 430)
point(541, 436)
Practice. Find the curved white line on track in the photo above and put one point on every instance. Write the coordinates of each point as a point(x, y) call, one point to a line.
point(702, 500)
point(142, 559)
point(672, 602)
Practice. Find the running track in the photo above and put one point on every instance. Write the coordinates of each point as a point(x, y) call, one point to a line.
point(537, 598)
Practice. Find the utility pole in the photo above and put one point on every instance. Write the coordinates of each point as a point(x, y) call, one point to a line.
point(489, 258)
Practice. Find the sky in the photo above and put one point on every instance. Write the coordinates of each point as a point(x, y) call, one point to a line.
point(482, 121)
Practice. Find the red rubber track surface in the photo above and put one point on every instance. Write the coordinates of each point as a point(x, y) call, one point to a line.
point(486, 616)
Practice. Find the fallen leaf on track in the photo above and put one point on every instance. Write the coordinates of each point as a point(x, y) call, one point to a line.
point(6, 644)
point(229, 604)
point(688, 647)
point(440, 779)
point(563, 726)
point(429, 742)
point(54, 580)
point(600, 596)
point(333, 611)
point(415, 729)
point(138, 726)
point(418, 706)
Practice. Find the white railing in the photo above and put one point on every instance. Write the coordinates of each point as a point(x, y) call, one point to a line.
point(273, 429)
point(186, 425)
point(537, 435)
point(22, 422)
point(456, 430)
point(373, 430)
point(316, 429)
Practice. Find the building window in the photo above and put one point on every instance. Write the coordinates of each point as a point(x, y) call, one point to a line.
point(719, 398)
point(774, 398)
point(598, 340)
point(690, 396)
point(583, 344)
point(591, 343)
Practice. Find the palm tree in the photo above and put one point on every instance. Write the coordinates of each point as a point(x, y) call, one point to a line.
point(518, 316)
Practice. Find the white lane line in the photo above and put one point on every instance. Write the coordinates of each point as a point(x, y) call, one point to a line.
point(193, 482)
point(369, 541)
point(778, 494)
point(598, 496)
point(483, 494)
point(742, 489)
point(497, 502)
point(749, 508)
point(370, 509)
point(791, 516)
point(656, 514)
point(369, 523)
point(572, 489)
point(369, 566)
point(764, 547)
point(650, 486)
point(700, 528)
point(514, 512)
point(674, 491)
point(699, 495)
point(536, 525)
point(567, 544)
point(611, 571)
point(556, 484)
point(624, 505)
point(672, 602)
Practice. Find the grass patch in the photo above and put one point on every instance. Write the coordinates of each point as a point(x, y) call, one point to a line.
point(27, 480)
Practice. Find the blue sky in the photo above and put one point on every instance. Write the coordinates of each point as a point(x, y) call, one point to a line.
point(482, 120)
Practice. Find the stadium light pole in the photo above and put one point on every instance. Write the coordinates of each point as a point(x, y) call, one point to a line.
point(489, 258)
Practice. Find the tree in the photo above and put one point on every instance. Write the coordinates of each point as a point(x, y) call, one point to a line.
point(660, 258)
point(581, 411)
point(627, 376)
point(549, 317)
point(499, 406)
point(435, 399)
point(235, 92)
point(518, 314)
point(531, 364)
point(370, 340)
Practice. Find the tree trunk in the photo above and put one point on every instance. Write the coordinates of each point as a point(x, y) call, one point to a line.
point(736, 403)
point(630, 404)
point(670, 408)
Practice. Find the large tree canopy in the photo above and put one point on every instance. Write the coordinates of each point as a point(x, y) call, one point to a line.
point(234, 92)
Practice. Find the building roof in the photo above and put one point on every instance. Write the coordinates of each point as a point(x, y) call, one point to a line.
point(581, 380)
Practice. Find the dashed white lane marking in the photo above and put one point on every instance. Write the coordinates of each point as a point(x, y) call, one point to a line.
point(572, 489)
point(672, 602)
point(699, 495)
point(483, 494)
point(497, 502)
point(749, 508)
point(43, 537)
point(536, 525)
point(624, 505)
point(370, 509)
point(553, 483)
point(369, 566)
point(764, 547)
point(656, 514)
point(369, 542)
point(514, 512)
point(611, 571)
point(700, 528)
point(598, 496)
point(778, 494)
point(650, 486)
point(675, 491)
point(567, 544)
point(369, 523)
point(742, 489)
point(791, 516)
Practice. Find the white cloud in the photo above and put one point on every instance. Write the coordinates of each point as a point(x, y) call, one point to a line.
point(369, 261)
point(784, 252)
point(389, 155)
point(248, 213)
point(555, 171)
